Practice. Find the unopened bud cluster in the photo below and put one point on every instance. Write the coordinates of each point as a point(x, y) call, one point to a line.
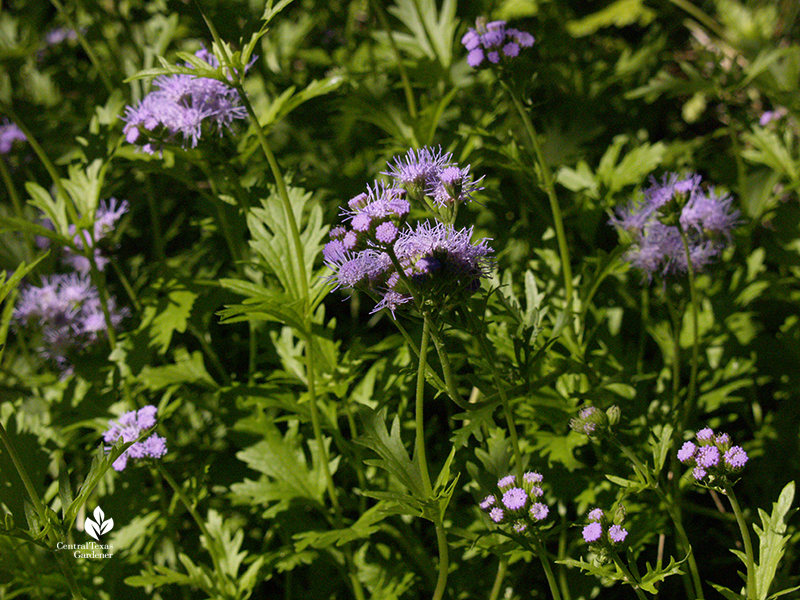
point(593, 422)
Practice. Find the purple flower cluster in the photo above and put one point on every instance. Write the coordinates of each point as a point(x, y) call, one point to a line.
point(431, 172)
point(517, 505)
point(713, 456)
point(10, 133)
point(67, 309)
point(602, 534)
point(181, 107)
point(378, 252)
point(493, 42)
point(108, 213)
point(129, 427)
point(655, 225)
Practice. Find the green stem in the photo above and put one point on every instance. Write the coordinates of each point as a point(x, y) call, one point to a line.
point(155, 220)
point(101, 70)
point(419, 420)
point(502, 567)
point(683, 539)
point(447, 371)
point(634, 583)
point(412, 107)
point(40, 153)
point(550, 190)
point(12, 193)
point(748, 545)
point(548, 570)
point(52, 535)
point(444, 561)
point(689, 406)
point(698, 14)
point(200, 523)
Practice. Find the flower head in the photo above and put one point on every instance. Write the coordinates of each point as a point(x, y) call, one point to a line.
point(181, 109)
point(493, 42)
point(67, 310)
point(129, 427)
point(9, 134)
point(674, 206)
point(712, 457)
point(592, 532)
point(518, 506)
point(617, 534)
point(515, 499)
point(108, 213)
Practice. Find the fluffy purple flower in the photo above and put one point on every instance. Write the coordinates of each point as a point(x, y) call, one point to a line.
point(686, 453)
point(617, 534)
point(494, 42)
point(507, 482)
point(67, 310)
point(496, 514)
point(181, 108)
point(539, 511)
point(596, 514)
point(532, 477)
point(515, 499)
point(520, 527)
point(10, 133)
point(735, 458)
point(713, 456)
point(654, 226)
point(707, 457)
point(705, 435)
point(488, 502)
point(592, 532)
point(108, 213)
point(417, 170)
point(129, 427)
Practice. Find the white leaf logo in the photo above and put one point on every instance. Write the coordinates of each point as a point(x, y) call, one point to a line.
point(99, 526)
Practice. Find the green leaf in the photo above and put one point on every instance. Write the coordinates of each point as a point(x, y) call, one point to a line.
point(661, 442)
point(656, 575)
point(169, 315)
point(394, 458)
point(188, 369)
point(363, 528)
point(64, 488)
point(289, 100)
point(618, 14)
point(433, 31)
point(773, 538)
point(101, 463)
point(272, 235)
point(56, 210)
point(730, 595)
point(285, 472)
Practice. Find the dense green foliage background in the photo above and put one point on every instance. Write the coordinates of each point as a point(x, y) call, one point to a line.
point(618, 91)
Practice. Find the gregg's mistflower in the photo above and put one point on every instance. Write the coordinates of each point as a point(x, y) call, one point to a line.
point(602, 533)
point(182, 109)
point(108, 213)
point(9, 134)
point(519, 506)
point(129, 427)
point(676, 205)
point(712, 457)
point(67, 311)
point(377, 251)
point(490, 43)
